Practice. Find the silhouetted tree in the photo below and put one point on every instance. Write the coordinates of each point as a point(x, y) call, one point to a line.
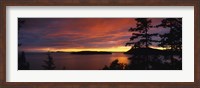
point(140, 36)
point(49, 63)
point(173, 39)
point(138, 62)
point(152, 59)
point(105, 67)
point(115, 65)
point(22, 63)
point(20, 23)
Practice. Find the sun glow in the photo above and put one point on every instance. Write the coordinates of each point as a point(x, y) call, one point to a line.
point(159, 48)
point(111, 49)
point(108, 49)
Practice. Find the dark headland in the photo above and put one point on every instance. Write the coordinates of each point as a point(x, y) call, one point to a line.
point(145, 51)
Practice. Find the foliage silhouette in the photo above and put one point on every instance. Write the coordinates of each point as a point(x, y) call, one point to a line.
point(22, 63)
point(115, 65)
point(173, 39)
point(145, 58)
point(153, 62)
point(144, 39)
point(49, 63)
point(20, 24)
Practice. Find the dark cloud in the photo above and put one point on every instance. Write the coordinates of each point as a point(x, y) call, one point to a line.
point(76, 32)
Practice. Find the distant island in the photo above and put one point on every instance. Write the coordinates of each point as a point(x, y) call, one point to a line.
point(90, 52)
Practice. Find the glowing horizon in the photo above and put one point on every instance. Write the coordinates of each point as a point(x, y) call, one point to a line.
point(111, 49)
point(108, 49)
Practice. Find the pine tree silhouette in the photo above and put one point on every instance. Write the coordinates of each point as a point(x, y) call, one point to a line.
point(22, 63)
point(140, 36)
point(20, 23)
point(173, 39)
point(145, 58)
point(49, 63)
point(115, 65)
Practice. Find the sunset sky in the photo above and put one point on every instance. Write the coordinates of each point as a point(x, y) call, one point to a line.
point(78, 34)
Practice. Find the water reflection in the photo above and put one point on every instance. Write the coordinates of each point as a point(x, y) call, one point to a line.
point(75, 62)
point(123, 58)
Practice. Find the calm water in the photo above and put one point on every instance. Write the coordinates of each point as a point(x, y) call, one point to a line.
point(75, 62)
